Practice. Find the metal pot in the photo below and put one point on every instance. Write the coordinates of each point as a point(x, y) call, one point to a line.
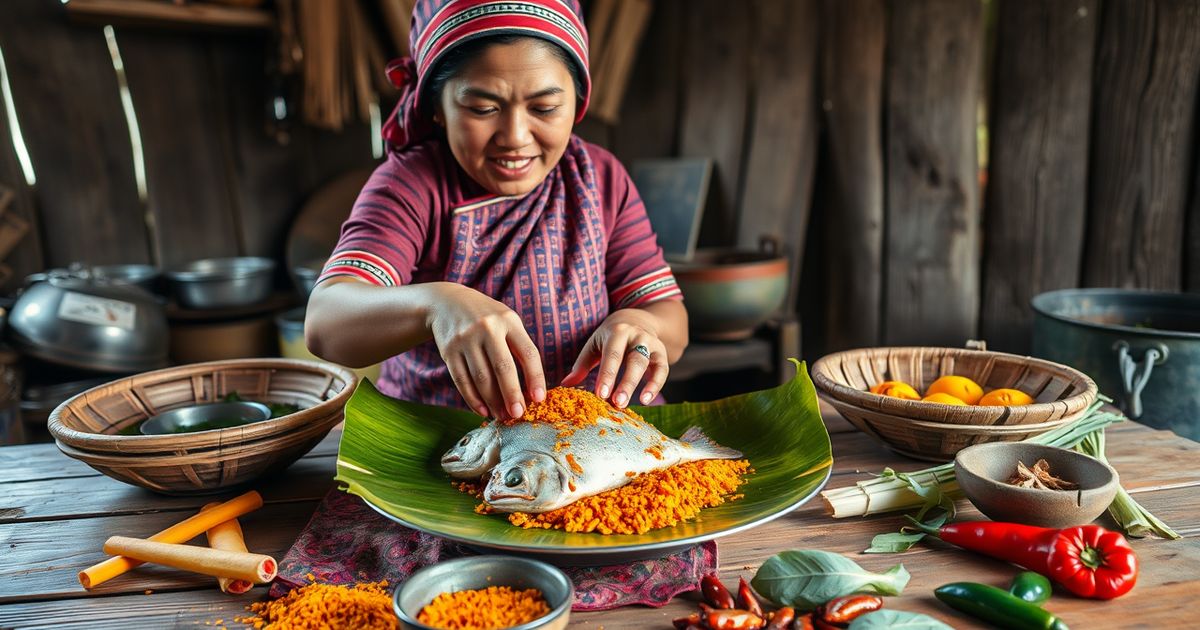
point(1141, 347)
point(78, 320)
point(223, 282)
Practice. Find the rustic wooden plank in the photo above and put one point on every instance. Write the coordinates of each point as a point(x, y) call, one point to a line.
point(855, 36)
point(932, 192)
point(649, 124)
point(39, 461)
point(777, 189)
point(33, 462)
point(1037, 174)
point(188, 609)
point(79, 144)
point(713, 111)
point(42, 560)
point(87, 497)
point(189, 190)
point(1147, 70)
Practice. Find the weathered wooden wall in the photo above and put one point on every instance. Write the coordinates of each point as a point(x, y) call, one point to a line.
point(1091, 173)
point(857, 118)
point(216, 184)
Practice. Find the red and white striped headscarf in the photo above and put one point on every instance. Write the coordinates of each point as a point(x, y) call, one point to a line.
point(440, 25)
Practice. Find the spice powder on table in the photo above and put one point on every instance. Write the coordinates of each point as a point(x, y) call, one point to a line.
point(364, 606)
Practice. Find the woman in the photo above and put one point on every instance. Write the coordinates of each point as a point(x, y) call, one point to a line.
point(494, 252)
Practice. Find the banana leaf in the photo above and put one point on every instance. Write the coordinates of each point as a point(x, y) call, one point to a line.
point(391, 449)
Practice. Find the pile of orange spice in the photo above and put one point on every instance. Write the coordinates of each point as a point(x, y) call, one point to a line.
point(489, 608)
point(660, 498)
point(366, 606)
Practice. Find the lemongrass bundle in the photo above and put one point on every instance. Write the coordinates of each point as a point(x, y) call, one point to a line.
point(892, 491)
point(1134, 519)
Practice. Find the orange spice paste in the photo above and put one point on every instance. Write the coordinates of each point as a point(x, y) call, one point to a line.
point(365, 606)
point(568, 408)
point(490, 608)
point(660, 498)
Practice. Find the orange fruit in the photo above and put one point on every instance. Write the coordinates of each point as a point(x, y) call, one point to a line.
point(959, 387)
point(896, 389)
point(945, 399)
point(1005, 398)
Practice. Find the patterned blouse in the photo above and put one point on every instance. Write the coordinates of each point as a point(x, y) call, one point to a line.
point(562, 256)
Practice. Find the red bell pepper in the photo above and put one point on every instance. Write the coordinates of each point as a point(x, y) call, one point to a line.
point(1087, 560)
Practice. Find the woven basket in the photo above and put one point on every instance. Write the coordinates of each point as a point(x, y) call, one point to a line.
point(1061, 392)
point(934, 441)
point(205, 461)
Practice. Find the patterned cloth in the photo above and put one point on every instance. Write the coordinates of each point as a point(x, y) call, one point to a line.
point(440, 25)
point(346, 542)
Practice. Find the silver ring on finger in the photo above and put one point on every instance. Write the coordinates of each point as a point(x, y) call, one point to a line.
point(642, 350)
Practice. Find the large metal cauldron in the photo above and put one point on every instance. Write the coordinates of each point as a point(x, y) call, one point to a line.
point(1141, 347)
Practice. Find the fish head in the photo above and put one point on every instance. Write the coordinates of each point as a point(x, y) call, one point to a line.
point(474, 454)
point(528, 482)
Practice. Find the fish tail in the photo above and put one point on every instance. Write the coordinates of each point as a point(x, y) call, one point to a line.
point(704, 448)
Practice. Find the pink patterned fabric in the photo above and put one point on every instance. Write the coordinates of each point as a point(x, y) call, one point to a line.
point(346, 541)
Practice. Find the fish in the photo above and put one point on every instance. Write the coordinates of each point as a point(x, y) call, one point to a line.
point(535, 467)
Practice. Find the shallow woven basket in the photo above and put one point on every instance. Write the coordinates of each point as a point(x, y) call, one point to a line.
point(1060, 391)
point(206, 461)
point(934, 441)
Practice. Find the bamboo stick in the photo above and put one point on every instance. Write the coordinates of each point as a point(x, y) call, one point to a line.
point(180, 532)
point(252, 567)
point(227, 536)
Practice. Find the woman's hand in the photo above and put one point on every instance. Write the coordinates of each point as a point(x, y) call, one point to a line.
point(483, 342)
point(618, 342)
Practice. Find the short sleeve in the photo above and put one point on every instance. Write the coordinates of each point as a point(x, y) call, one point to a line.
point(635, 270)
point(385, 235)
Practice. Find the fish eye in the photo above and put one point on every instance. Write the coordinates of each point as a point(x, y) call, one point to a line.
point(463, 442)
point(514, 478)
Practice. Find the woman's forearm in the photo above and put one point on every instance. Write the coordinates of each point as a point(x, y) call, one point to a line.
point(671, 326)
point(358, 324)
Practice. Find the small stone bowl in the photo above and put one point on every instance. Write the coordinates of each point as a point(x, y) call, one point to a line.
point(478, 572)
point(983, 471)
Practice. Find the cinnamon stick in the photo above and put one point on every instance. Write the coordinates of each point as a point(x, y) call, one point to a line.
point(180, 532)
point(252, 567)
point(227, 536)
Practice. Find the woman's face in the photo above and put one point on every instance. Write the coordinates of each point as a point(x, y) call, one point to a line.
point(508, 115)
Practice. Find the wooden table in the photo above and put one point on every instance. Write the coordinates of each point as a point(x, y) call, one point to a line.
point(56, 512)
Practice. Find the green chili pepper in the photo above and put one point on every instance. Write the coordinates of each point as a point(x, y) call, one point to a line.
point(1031, 586)
point(996, 606)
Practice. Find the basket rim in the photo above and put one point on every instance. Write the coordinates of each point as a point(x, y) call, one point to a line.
point(132, 444)
point(946, 427)
point(235, 451)
point(903, 408)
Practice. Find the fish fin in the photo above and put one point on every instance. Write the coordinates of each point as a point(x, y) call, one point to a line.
point(704, 445)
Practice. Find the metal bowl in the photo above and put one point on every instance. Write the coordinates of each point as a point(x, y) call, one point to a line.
point(145, 276)
point(476, 572)
point(193, 418)
point(223, 282)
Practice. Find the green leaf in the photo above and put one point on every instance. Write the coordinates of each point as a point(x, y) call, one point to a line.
point(809, 578)
point(881, 619)
point(894, 542)
point(391, 450)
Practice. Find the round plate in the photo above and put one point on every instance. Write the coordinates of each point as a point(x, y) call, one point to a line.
point(390, 456)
